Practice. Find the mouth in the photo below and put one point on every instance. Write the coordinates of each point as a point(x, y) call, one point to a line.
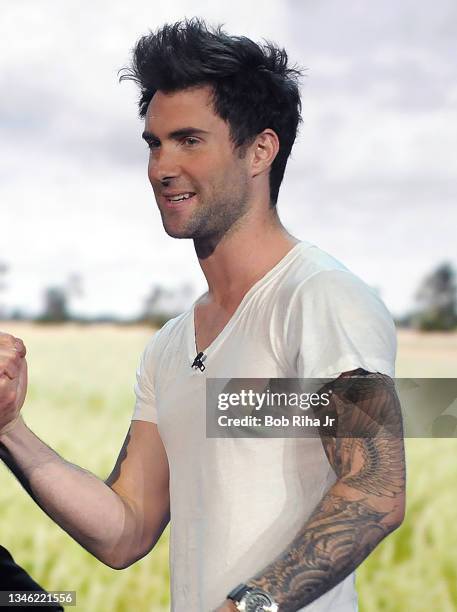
point(178, 200)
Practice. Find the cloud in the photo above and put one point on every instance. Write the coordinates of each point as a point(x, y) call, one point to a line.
point(371, 179)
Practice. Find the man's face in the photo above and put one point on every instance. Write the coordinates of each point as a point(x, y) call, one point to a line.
point(200, 182)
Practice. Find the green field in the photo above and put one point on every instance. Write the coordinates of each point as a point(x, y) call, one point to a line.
point(80, 402)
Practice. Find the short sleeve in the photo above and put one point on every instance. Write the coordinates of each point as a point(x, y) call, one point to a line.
point(337, 324)
point(145, 404)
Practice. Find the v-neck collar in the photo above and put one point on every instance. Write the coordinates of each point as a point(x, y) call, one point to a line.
point(192, 344)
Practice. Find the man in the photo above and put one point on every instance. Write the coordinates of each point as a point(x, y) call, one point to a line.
point(256, 524)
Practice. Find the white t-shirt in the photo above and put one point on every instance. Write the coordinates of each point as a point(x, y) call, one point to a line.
point(236, 503)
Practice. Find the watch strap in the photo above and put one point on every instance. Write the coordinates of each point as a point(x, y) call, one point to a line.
point(238, 592)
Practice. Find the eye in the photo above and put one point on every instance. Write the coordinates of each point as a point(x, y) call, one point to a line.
point(152, 144)
point(190, 141)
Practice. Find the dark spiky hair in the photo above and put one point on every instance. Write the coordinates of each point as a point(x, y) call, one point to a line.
point(253, 87)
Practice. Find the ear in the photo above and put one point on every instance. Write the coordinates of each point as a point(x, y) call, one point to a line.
point(264, 149)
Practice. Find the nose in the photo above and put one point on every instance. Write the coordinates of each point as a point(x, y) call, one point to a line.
point(162, 167)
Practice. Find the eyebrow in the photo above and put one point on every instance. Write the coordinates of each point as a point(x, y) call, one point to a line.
point(176, 134)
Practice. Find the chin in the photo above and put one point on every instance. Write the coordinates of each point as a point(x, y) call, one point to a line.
point(175, 232)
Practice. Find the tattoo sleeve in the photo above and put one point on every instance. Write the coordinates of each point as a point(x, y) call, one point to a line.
point(363, 506)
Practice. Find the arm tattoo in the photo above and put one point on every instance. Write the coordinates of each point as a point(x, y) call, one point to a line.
point(365, 504)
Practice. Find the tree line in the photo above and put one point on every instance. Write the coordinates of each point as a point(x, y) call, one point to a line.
point(435, 302)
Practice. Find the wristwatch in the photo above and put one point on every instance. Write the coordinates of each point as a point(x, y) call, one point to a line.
point(252, 599)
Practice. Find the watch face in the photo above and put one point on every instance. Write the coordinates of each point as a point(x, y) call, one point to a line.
point(257, 602)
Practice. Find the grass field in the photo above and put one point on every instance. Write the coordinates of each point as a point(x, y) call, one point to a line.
point(80, 402)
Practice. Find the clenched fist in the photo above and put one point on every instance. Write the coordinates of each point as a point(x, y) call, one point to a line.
point(13, 380)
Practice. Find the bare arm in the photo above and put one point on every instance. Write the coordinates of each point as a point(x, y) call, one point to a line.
point(365, 504)
point(119, 520)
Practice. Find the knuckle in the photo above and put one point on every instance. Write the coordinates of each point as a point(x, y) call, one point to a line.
point(6, 339)
point(19, 347)
point(15, 358)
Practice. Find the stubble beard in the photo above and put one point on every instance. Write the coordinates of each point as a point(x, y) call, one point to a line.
point(216, 218)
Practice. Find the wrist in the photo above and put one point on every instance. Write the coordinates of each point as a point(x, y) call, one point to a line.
point(10, 427)
point(252, 597)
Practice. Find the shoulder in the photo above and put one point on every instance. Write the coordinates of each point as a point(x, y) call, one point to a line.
point(318, 281)
point(333, 319)
point(339, 290)
point(317, 278)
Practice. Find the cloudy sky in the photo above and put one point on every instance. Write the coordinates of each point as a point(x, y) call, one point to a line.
point(372, 180)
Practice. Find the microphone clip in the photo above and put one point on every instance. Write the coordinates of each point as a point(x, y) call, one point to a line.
point(198, 361)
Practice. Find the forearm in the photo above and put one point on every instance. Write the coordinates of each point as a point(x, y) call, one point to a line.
point(342, 531)
point(82, 504)
point(365, 504)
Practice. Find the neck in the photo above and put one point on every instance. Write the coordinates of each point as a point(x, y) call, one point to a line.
point(232, 264)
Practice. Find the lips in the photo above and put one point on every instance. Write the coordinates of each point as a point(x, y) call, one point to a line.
point(178, 198)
